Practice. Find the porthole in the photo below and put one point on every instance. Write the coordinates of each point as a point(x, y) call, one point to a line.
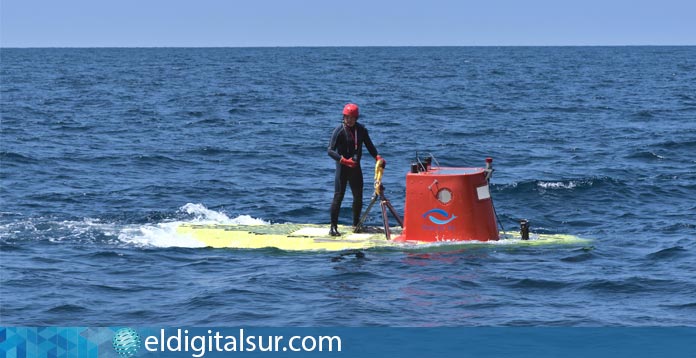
point(444, 196)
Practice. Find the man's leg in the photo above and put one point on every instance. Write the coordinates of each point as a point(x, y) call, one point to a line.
point(340, 183)
point(356, 187)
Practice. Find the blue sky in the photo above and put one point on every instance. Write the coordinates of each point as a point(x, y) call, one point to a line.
point(204, 23)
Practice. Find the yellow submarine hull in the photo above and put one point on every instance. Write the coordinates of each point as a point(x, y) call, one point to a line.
point(311, 237)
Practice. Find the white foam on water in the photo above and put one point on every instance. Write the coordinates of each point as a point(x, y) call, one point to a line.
point(87, 230)
point(203, 215)
point(158, 235)
point(557, 185)
point(165, 234)
point(94, 230)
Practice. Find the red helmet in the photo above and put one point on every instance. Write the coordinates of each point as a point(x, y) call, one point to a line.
point(351, 109)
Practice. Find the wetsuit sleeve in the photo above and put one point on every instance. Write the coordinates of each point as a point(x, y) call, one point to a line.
point(333, 144)
point(368, 144)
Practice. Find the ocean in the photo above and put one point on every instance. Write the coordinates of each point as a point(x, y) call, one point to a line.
point(104, 151)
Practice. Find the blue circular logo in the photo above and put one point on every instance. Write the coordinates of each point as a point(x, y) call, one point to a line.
point(445, 215)
point(126, 342)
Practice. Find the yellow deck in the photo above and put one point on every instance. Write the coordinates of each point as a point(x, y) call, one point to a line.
point(309, 237)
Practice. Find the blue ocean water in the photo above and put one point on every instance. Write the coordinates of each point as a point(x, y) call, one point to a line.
point(104, 151)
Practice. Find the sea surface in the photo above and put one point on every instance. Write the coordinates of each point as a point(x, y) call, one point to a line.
point(104, 151)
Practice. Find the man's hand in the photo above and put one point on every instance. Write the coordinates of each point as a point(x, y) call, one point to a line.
point(348, 162)
point(384, 162)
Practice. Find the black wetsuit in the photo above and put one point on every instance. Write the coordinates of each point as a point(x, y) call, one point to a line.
point(347, 142)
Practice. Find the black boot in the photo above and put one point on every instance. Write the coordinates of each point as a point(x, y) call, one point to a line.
point(334, 230)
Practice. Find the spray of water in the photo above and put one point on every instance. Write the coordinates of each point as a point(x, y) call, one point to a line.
point(165, 234)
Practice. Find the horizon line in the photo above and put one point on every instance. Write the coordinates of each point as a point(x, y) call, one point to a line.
point(328, 46)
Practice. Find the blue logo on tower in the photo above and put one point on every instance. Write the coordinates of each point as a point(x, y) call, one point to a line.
point(126, 342)
point(442, 217)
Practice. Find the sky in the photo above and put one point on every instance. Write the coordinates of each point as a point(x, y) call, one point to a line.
point(245, 23)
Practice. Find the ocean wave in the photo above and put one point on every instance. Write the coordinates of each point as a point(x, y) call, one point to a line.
point(567, 109)
point(116, 289)
point(630, 285)
point(668, 253)
point(158, 159)
point(566, 184)
point(141, 113)
point(585, 256)
point(678, 145)
point(67, 308)
point(684, 306)
point(645, 155)
point(196, 114)
point(104, 254)
point(539, 284)
point(644, 113)
point(14, 157)
point(681, 226)
point(214, 122)
point(557, 185)
point(7, 247)
point(208, 150)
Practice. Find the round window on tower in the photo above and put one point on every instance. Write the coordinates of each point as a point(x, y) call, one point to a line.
point(444, 196)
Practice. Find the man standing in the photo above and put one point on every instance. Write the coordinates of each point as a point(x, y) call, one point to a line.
point(345, 148)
